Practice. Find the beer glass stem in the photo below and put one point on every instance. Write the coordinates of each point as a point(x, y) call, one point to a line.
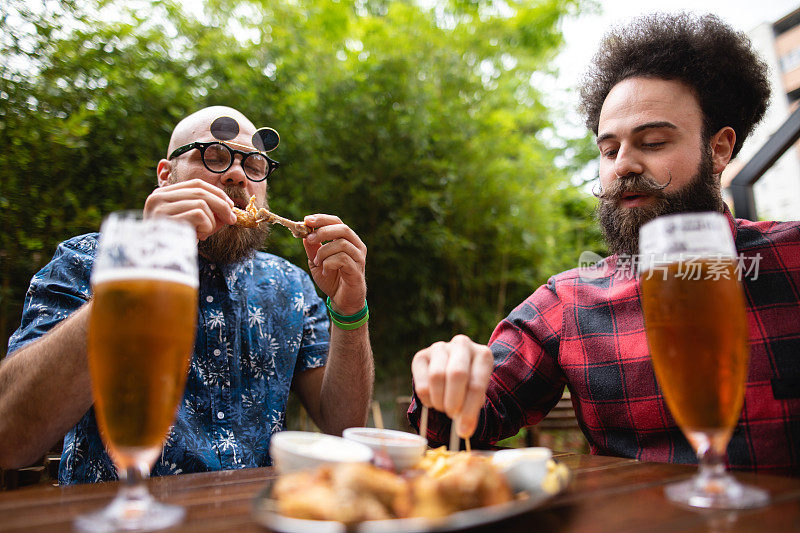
point(133, 495)
point(711, 476)
point(133, 508)
point(712, 486)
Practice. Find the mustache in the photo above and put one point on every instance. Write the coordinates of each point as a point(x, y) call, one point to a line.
point(235, 193)
point(239, 195)
point(632, 183)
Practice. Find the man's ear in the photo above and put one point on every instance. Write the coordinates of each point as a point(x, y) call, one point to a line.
point(163, 170)
point(722, 148)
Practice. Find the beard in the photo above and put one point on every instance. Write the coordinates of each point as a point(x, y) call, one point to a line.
point(231, 244)
point(620, 225)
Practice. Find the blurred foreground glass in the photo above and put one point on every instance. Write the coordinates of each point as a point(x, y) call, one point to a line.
point(141, 333)
point(696, 325)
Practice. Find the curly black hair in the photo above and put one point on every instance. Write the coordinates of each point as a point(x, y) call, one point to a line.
point(729, 79)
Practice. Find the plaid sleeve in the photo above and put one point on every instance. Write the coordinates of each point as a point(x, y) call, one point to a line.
point(313, 352)
point(56, 291)
point(526, 381)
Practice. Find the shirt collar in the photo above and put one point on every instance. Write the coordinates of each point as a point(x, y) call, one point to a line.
point(731, 221)
point(225, 268)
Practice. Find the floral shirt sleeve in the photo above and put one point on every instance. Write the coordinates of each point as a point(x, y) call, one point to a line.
point(56, 291)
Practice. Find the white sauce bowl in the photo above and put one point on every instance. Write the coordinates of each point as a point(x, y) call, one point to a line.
point(404, 449)
point(300, 450)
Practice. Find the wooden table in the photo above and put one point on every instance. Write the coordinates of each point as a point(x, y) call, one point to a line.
point(606, 494)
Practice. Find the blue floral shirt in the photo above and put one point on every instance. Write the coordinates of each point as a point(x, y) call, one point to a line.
point(260, 321)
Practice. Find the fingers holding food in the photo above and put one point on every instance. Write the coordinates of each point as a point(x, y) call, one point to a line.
point(437, 375)
point(201, 204)
point(480, 371)
point(456, 373)
point(328, 228)
point(421, 373)
point(452, 377)
point(337, 260)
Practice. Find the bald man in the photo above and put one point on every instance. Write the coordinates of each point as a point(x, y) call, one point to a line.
point(262, 328)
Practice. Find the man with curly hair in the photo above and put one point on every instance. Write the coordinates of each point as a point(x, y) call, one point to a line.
point(671, 99)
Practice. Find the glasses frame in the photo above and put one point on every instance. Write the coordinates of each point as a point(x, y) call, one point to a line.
point(272, 165)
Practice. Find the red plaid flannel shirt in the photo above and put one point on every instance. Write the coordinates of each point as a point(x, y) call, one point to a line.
point(588, 334)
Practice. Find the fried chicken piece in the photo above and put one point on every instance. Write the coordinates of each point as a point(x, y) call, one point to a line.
point(244, 219)
point(247, 217)
point(306, 494)
point(435, 461)
point(428, 502)
point(298, 229)
point(473, 481)
point(298, 481)
point(466, 481)
point(364, 480)
point(345, 493)
point(251, 217)
point(324, 502)
point(315, 502)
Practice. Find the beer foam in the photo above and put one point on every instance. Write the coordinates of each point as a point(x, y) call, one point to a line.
point(117, 274)
point(685, 236)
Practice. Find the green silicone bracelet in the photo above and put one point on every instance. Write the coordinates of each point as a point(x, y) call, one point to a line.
point(347, 319)
point(352, 325)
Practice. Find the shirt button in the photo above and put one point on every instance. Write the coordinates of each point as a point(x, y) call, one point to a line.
point(209, 299)
point(220, 415)
point(212, 267)
point(217, 352)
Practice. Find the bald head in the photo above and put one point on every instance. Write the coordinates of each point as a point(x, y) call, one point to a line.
point(197, 126)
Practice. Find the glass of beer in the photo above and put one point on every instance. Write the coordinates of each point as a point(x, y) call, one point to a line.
point(141, 333)
point(696, 324)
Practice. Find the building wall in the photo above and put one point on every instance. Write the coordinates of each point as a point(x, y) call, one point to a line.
point(787, 48)
point(777, 193)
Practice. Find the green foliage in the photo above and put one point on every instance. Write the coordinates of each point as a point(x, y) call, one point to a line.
point(419, 127)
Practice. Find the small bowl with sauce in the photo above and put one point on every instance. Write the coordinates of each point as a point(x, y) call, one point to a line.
point(300, 450)
point(404, 449)
point(523, 467)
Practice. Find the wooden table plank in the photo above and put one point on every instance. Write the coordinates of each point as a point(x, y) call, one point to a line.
point(782, 516)
point(607, 494)
point(632, 499)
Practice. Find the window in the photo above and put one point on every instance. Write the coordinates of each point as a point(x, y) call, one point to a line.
point(791, 60)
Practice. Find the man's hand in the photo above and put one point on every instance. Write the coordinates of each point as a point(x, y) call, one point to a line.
point(452, 377)
point(337, 258)
point(197, 202)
